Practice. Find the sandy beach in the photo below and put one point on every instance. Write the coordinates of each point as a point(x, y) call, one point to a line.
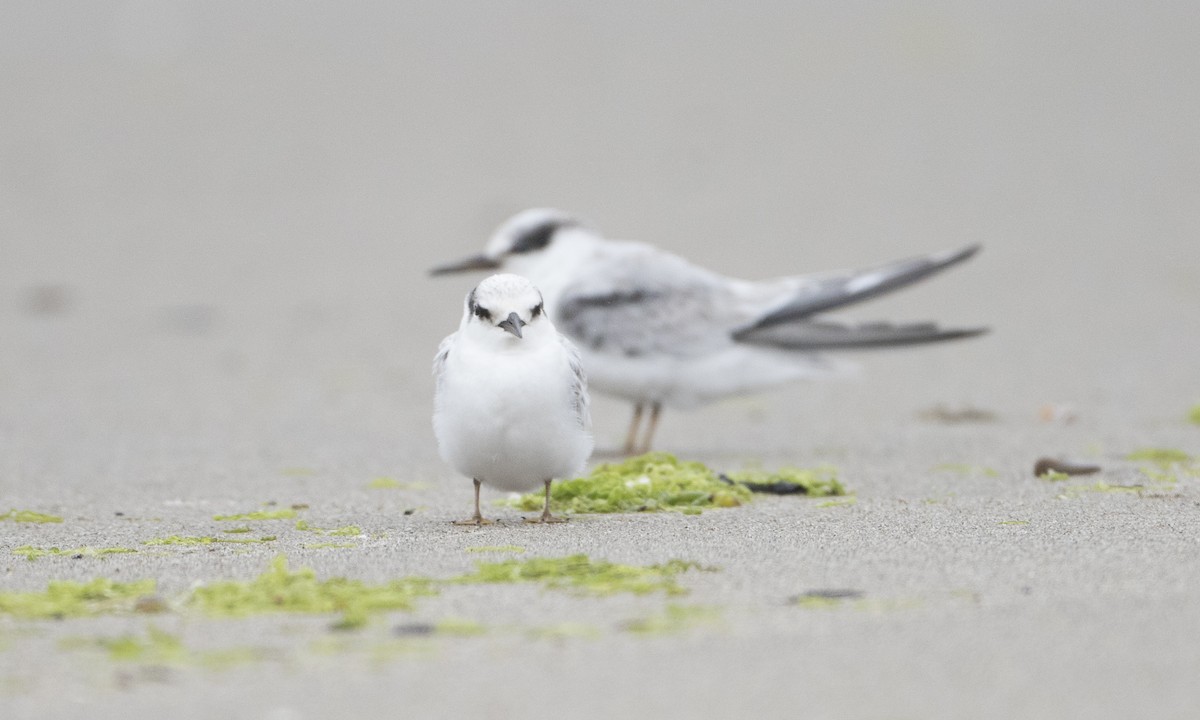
point(216, 223)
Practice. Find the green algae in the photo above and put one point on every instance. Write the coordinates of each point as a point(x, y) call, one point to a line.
point(207, 540)
point(63, 599)
point(674, 619)
point(844, 502)
point(965, 469)
point(1160, 456)
point(1103, 487)
point(821, 481)
point(318, 546)
point(33, 553)
point(384, 483)
point(347, 531)
point(1013, 522)
point(826, 599)
point(279, 590)
point(1194, 415)
point(582, 575)
point(29, 516)
point(565, 631)
point(1054, 476)
point(648, 483)
point(516, 549)
point(283, 514)
point(388, 483)
point(237, 530)
point(159, 647)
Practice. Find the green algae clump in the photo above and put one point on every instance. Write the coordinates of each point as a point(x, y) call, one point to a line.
point(815, 482)
point(1194, 415)
point(284, 514)
point(33, 553)
point(279, 590)
point(648, 483)
point(63, 599)
point(584, 576)
point(29, 516)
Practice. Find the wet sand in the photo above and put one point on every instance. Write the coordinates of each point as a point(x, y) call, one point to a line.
point(216, 227)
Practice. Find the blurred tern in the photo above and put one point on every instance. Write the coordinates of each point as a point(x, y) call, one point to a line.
point(511, 404)
point(657, 330)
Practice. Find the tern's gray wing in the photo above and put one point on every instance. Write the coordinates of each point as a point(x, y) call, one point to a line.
point(647, 302)
point(581, 401)
point(814, 335)
point(439, 360)
point(818, 294)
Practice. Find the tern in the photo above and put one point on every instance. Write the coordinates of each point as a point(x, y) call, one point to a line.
point(511, 399)
point(656, 329)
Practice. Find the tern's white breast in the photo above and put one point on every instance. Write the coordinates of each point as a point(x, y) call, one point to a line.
point(508, 418)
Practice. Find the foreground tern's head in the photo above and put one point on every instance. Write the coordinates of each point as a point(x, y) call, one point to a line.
point(505, 308)
point(527, 233)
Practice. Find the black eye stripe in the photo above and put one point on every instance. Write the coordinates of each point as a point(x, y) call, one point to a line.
point(537, 310)
point(539, 236)
point(482, 313)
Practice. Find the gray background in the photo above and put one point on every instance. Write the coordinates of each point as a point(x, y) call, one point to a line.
point(216, 218)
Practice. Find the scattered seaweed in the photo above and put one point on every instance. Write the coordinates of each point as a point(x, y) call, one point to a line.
point(1194, 415)
point(282, 514)
point(384, 483)
point(34, 553)
point(652, 482)
point(207, 540)
point(965, 469)
point(278, 590)
point(673, 620)
point(64, 598)
point(825, 599)
point(347, 531)
point(584, 576)
point(565, 631)
point(817, 482)
point(159, 647)
point(843, 502)
point(29, 516)
point(516, 549)
point(1160, 456)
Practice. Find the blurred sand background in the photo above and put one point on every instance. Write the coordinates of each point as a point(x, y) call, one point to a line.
point(215, 225)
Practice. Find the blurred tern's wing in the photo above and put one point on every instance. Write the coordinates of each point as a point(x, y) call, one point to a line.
point(639, 301)
point(817, 294)
point(814, 335)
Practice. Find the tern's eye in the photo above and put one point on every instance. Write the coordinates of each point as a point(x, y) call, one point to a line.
point(482, 313)
point(537, 310)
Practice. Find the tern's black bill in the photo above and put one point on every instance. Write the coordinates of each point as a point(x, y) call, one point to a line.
point(513, 324)
point(476, 262)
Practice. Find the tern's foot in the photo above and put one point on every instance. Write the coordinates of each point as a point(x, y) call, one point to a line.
point(476, 521)
point(546, 518)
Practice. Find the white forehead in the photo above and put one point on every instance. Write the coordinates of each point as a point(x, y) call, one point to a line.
point(506, 290)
